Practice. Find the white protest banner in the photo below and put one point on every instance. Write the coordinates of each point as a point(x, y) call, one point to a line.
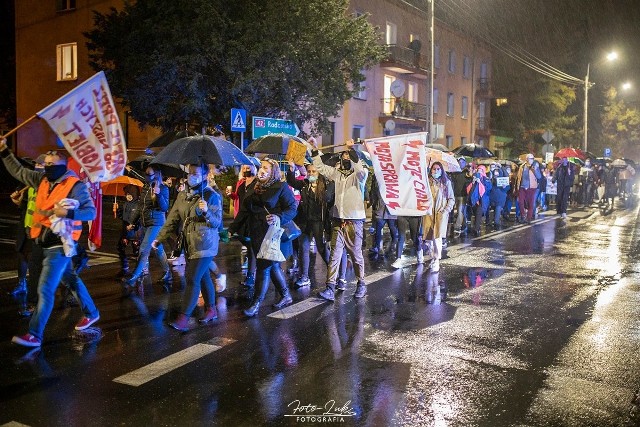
point(399, 164)
point(552, 187)
point(86, 122)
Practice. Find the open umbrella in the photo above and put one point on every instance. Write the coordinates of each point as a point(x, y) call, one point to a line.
point(167, 138)
point(116, 186)
point(140, 163)
point(571, 152)
point(473, 150)
point(501, 162)
point(275, 143)
point(438, 147)
point(619, 163)
point(449, 162)
point(202, 149)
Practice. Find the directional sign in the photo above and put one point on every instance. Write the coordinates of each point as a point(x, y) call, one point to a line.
point(238, 120)
point(265, 126)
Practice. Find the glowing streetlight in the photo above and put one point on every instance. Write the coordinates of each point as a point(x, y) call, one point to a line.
point(611, 56)
point(626, 86)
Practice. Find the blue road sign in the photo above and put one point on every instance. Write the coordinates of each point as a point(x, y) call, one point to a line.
point(607, 152)
point(238, 120)
point(265, 126)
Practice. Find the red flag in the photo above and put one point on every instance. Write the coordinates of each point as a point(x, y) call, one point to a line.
point(95, 226)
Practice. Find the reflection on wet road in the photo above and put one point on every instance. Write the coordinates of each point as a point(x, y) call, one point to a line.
point(520, 327)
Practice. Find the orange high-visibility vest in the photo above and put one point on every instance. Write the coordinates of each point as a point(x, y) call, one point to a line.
point(46, 201)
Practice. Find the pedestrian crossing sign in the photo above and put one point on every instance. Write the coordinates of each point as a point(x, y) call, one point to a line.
point(238, 120)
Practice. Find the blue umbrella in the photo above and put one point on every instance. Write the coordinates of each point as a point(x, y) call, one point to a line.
point(202, 149)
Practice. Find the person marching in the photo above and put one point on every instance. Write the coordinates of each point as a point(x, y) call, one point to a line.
point(129, 231)
point(348, 216)
point(57, 187)
point(434, 224)
point(198, 212)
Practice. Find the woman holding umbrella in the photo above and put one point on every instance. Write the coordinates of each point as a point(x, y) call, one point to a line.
point(268, 199)
point(199, 211)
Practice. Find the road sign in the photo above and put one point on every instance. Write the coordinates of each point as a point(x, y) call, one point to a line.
point(548, 136)
point(238, 120)
point(607, 152)
point(265, 126)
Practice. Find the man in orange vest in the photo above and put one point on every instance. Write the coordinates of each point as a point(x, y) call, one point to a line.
point(53, 185)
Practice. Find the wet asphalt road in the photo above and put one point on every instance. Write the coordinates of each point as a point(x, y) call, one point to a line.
point(535, 325)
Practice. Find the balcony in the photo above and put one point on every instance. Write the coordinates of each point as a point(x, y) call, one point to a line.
point(484, 88)
point(406, 61)
point(482, 129)
point(402, 109)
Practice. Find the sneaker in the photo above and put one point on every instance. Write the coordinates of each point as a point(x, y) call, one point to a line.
point(26, 311)
point(302, 282)
point(85, 322)
point(564, 216)
point(361, 291)
point(420, 256)
point(341, 285)
point(178, 260)
point(221, 283)
point(398, 263)
point(27, 340)
point(327, 294)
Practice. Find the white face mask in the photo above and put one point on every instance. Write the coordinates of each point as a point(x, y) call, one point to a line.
point(436, 174)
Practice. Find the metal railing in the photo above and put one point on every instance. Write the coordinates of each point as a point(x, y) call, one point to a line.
point(407, 57)
point(399, 107)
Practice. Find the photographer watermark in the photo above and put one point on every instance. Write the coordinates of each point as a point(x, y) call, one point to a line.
point(330, 412)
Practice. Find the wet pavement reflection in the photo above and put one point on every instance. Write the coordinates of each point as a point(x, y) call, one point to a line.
point(487, 340)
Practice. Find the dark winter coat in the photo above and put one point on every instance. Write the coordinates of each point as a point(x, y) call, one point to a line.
point(310, 208)
point(460, 182)
point(153, 209)
point(277, 200)
point(564, 176)
point(129, 213)
point(498, 195)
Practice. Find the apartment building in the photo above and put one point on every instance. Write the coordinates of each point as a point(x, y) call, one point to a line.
point(52, 58)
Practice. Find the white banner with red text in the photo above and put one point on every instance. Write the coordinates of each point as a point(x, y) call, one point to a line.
point(86, 122)
point(399, 164)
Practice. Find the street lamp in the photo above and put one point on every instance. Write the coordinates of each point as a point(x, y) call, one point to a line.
point(611, 56)
point(626, 86)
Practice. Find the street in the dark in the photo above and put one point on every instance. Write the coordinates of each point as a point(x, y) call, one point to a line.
point(533, 325)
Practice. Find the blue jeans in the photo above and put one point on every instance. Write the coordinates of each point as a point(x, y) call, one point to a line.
point(197, 274)
point(150, 234)
point(57, 267)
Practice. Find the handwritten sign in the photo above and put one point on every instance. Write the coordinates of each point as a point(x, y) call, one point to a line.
point(86, 121)
point(296, 152)
point(502, 181)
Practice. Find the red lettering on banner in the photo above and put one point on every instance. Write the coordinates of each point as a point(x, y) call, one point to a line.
point(74, 128)
point(415, 144)
point(393, 205)
point(62, 111)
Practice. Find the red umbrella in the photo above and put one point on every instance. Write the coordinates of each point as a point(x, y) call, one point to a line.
point(571, 152)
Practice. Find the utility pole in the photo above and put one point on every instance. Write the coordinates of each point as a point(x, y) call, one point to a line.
point(431, 37)
point(586, 110)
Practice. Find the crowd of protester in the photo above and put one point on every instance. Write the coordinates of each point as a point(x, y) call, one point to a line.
point(326, 201)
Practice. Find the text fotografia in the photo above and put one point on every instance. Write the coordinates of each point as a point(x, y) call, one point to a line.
point(330, 412)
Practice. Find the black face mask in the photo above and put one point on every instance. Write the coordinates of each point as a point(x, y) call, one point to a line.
point(346, 164)
point(247, 174)
point(54, 172)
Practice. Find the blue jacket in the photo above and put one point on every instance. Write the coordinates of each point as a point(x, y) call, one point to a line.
point(498, 195)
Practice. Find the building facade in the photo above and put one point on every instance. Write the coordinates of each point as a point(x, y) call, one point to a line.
point(52, 58)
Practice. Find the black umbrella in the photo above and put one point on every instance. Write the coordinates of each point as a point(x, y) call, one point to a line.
point(275, 143)
point(167, 138)
point(200, 149)
point(473, 150)
point(142, 162)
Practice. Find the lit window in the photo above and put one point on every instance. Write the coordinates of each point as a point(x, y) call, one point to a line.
point(466, 67)
point(450, 105)
point(67, 61)
point(501, 101)
point(452, 61)
point(388, 101)
point(62, 5)
point(465, 107)
point(391, 34)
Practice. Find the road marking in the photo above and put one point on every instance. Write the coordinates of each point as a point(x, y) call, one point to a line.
point(164, 366)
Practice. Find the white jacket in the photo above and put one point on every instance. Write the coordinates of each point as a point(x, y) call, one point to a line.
point(349, 203)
